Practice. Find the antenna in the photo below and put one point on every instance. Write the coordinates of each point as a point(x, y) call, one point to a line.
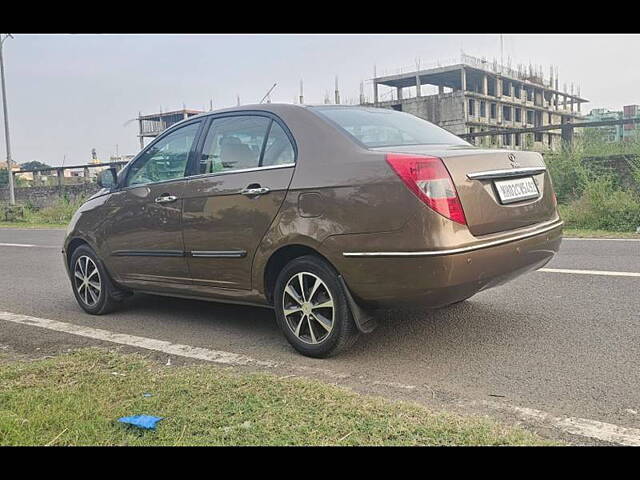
point(267, 94)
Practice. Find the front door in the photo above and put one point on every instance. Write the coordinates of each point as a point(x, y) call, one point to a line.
point(245, 168)
point(145, 231)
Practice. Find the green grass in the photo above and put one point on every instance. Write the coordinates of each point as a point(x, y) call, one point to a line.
point(591, 233)
point(76, 398)
point(56, 215)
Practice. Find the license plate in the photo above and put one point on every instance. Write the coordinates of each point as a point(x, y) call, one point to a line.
point(516, 190)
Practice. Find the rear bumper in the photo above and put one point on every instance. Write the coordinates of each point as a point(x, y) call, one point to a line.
point(436, 278)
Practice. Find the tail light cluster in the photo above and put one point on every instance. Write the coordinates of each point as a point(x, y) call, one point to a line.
point(429, 180)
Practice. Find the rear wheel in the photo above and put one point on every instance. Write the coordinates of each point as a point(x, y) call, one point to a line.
point(311, 308)
point(92, 287)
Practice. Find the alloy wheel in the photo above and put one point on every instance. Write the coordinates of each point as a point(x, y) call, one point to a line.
point(87, 280)
point(308, 307)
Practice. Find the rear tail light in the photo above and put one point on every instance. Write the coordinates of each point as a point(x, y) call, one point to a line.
point(429, 180)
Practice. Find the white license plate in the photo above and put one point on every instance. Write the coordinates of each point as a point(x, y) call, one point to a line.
point(516, 190)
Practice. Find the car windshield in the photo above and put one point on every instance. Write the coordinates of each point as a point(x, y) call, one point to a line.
point(379, 127)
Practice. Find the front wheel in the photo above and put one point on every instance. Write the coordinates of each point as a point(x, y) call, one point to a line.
point(311, 308)
point(92, 286)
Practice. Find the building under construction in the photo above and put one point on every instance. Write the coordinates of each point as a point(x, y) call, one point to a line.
point(150, 126)
point(475, 95)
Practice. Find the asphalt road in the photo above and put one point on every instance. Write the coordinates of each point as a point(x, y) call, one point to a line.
point(563, 343)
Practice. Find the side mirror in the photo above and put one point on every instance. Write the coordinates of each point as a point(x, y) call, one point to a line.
point(107, 178)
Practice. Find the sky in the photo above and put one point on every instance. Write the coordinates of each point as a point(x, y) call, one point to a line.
point(68, 94)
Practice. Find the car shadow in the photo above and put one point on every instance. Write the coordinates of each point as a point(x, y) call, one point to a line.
point(470, 325)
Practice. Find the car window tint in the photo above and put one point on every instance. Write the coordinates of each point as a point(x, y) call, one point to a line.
point(233, 143)
point(378, 127)
point(166, 159)
point(278, 149)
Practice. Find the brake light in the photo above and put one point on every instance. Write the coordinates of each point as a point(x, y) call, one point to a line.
point(429, 180)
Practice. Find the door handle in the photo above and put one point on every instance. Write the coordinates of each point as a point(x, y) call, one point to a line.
point(255, 191)
point(166, 199)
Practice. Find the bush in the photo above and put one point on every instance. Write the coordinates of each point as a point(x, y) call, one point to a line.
point(602, 206)
point(591, 194)
point(60, 212)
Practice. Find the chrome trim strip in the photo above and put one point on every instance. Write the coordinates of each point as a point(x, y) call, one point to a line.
point(148, 253)
point(240, 170)
point(218, 253)
point(433, 253)
point(506, 173)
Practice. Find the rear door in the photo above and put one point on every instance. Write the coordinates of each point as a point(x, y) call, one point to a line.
point(144, 227)
point(245, 167)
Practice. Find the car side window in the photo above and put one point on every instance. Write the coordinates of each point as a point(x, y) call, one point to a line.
point(165, 160)
point(233, 143)
point(278, 149)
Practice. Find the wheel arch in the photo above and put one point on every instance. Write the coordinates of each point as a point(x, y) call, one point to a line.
point(73, 245)
point(280, 258)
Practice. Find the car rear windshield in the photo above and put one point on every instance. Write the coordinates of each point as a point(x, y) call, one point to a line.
point(379, 127)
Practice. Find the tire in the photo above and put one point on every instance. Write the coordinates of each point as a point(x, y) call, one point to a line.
point(306, 316)
point(94, 297)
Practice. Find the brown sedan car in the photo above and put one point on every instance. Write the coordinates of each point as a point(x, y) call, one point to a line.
point(323, 213)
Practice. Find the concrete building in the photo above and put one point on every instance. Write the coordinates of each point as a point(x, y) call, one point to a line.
point(616, 133)
point(475, 95)
point(609, 133)
point(630, 130)
point(151, 126)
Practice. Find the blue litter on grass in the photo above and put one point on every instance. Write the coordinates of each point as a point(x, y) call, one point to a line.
point(143, 421)
point(147, 395)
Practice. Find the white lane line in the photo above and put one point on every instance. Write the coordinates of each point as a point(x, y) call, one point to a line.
point(574, 425)
point(603, 239)
point(607, 432)
point(181, 350)
point(27, 245)
point(590, 272)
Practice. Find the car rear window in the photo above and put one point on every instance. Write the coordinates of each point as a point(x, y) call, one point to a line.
point(379, 127)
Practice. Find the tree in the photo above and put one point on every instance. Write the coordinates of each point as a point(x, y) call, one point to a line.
point(33, 165)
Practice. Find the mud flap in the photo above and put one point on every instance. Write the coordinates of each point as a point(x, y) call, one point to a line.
point(365, 322)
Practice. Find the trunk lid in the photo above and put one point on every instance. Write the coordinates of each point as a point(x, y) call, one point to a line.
point(483, 209)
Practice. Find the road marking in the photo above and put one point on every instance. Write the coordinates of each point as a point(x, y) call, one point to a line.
point(590, 272)
point(178, 349)
point(27, 245)
point(603, 239)
point(574, 425)
point(579, 426)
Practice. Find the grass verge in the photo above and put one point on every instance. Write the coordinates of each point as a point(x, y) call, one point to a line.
point(591, 233)
point(76, 399)
point(19, 224)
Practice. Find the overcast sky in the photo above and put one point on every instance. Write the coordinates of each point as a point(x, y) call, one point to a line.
point(71, 93)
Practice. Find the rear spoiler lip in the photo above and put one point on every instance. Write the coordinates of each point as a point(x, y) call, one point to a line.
point(506, 173)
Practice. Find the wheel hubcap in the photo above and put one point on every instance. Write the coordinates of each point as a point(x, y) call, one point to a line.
point(308, 307)
point(87, 280)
